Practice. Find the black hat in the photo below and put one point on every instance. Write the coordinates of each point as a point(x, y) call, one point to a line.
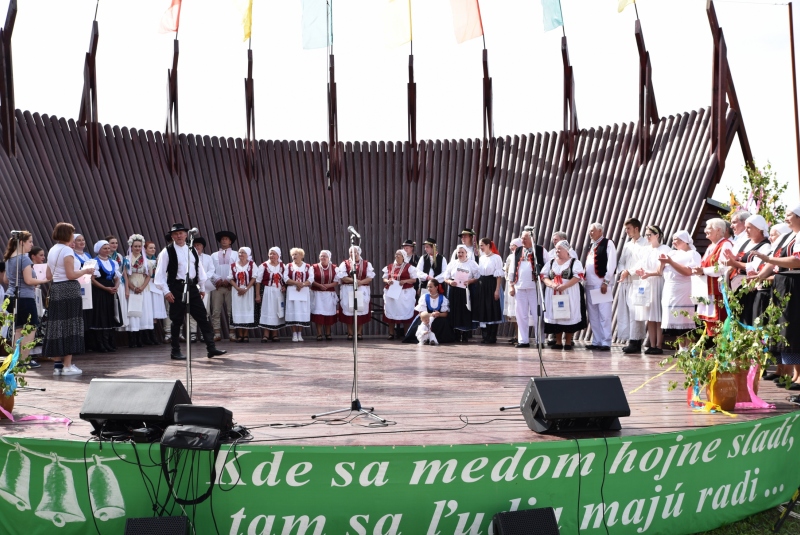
point(201, 240)
point(467, 231)
point(409, 242)
point(429, 241)
point(176, 227)
point(223, 233)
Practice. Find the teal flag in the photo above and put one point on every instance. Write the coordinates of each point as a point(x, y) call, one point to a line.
point(317, 24)
point(551, 14)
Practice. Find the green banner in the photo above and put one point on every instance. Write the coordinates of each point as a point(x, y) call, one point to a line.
point(669, 483)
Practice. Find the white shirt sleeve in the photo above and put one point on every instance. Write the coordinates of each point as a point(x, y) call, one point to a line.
point(161, 272)
point(611, 267)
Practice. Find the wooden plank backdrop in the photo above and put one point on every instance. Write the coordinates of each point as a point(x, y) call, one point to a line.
point(292, 203)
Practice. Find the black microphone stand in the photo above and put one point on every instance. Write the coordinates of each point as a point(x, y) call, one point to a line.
point(187, 315)
point(355, 404)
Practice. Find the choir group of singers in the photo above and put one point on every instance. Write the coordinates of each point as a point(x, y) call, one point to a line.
point(428, 299)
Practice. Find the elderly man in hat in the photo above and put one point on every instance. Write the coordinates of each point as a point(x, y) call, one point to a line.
point(208, 264)
point(174, 263)
point(467, 238)
point(431, 266)
point(221, 297)
point(601, 265)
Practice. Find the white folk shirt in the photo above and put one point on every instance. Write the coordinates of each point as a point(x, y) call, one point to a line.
point(183, 254)
point(211, 272)
point(421, 275)
point(525, 277)
point(739, 241)
point(629, 258)
point(592, 280)
point(222, 260)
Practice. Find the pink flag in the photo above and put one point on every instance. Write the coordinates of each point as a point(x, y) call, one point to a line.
point(171, 18)
point(466, 19)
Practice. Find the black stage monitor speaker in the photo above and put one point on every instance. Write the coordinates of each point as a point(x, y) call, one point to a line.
point(571, 404)
point(157, 525)
point(528, 522)
point(132, 403)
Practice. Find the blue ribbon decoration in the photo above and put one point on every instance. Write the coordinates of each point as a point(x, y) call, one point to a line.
point(8, 377)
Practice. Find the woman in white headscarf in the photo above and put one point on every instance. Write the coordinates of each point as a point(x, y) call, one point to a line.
point(562, 277)
point(298, 277)
point(460, 275)
point(677, 308)
point(324, 297)
point(364, 274)
point(272, 291)
point(510, 300)
point(398, 309)
point(106, 311)
point(245, 309)
point(757, 230)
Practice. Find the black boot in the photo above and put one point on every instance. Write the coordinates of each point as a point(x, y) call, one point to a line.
point(211, 347)
point(109, 341)
point(98, 342)
point(634, 346)
point(147, 337)
point(131, 340)
point(492, 338)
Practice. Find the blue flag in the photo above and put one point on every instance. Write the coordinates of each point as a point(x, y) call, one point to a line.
point(317, 24)
point(551, 14)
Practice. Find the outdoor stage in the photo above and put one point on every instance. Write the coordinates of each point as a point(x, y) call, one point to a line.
point(669, 470)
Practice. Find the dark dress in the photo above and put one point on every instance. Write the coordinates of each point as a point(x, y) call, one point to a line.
point(106, 311)
point(441, 327)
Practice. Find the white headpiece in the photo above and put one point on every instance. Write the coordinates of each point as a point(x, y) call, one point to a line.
point(564, 244)
point(248, 251)
point(99, 245)
point(759, 222)
point(356, 248)
point(326, 252)
point(685, 237)
point(796, 210)
point(517, 242)
point(781, 228)
point(277, 250)
point(402, 252)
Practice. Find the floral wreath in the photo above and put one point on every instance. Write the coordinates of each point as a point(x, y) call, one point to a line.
point(135, 237)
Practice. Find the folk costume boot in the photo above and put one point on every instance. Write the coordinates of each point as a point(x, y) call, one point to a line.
point(633, 347)
point(211, 347)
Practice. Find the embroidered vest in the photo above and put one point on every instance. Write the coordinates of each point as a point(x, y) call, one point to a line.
point(398, 274)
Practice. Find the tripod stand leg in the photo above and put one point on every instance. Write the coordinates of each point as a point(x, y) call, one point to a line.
point(787, 511)
point(509, 407)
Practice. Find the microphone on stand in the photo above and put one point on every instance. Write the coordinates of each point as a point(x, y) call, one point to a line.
point(194, 232)
point(352, 231)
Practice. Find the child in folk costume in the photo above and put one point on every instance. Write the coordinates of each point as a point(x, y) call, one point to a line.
point(489, 306)
point(159, 309)
point(364, 274)
point(460, 275)
point(245, 309)
point(399, 308)
point(106, 312)
point(298, 277)
point(324, 297)
point(138, 284)
point(562, 276)
point(431, 327)
point(509, 304)
point(272, 290)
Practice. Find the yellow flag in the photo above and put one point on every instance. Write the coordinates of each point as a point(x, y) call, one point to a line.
point(624, 3)
point(397, 22)
point(245, 7)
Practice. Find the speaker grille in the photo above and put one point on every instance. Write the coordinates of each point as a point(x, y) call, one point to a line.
point(159, 525)
point(528, 522)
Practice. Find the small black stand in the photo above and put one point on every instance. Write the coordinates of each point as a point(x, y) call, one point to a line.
point(786, 510)
point(355, 404)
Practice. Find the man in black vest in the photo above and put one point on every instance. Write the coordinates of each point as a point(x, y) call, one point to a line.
point(170, 278)
point(413, 258)
point(523, 287)
point(601, 264)
point(432, 265)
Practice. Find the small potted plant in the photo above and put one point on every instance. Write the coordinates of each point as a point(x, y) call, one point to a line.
point(12, 367)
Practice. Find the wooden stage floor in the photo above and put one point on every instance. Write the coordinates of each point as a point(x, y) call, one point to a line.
point(428, 392)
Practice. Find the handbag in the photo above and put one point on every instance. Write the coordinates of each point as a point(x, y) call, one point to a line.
point(641, 296)
point(700, 290)
point(561, 309)
point(135, 305)
point(86, 291)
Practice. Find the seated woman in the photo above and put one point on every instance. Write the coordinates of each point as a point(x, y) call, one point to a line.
point(432, 326)
point(562, 276)
point(398, 311)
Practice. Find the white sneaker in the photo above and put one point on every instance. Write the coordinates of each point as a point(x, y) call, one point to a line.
point(294, 337)
point(71, 370)
point(300, 337)
point(58, 371)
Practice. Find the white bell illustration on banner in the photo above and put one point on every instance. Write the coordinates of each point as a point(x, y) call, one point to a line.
point(104, 492)
point(16, 478)
point(59, 502)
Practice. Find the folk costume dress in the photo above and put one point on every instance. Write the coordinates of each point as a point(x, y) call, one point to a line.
point(364, 270)
point(298, 311)
point(138, 269)
point(440, 330)
point(509, 302)
point(324, 303)
point(764, 290)
point(788, 282)
point(648, 260)
point(273, 305)
point(122, 265)
point(461, 303)
point(400, 309)
point(710, 313)
point(245, 312)
point(735, 276)
point(156, 296)
point(577, 302)
point(677, 308)
point(106, 310)
point(486, 310)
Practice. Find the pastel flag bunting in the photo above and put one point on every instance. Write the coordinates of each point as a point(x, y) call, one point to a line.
point(171, 18)
point(466, 19)
point(551, 14)
point(623, 4)
point(397, 22)
point(317, 24)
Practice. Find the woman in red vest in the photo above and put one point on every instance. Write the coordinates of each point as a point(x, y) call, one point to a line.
point(399, 295)
point(713, 267)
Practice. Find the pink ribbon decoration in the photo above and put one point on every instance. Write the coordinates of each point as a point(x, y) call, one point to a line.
point(36, 418)
point(755, 401)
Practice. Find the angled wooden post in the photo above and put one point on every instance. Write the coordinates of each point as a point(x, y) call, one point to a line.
point(7, 105)
point(412, 160)
point(648, 110)
point(87, 116)
point(173, 126)
point(334, 158)
point(489, 142)
point(250, 144)
point(570, 110)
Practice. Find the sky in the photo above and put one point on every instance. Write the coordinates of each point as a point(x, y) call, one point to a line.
point(51, 38)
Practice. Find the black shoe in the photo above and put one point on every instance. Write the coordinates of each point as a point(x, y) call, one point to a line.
point(215, 352)
point(520, 346)
point(33, 364)
point(512, 341)
point(551, 343)
point(770, 376)
point(634, 346)
point(653, 351)
point(176, 354)
point(557, 346)
point(602, 348)
point(567, 347)
point(592, 347)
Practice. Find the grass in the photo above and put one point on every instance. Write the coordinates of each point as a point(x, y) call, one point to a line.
point(759, 524)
